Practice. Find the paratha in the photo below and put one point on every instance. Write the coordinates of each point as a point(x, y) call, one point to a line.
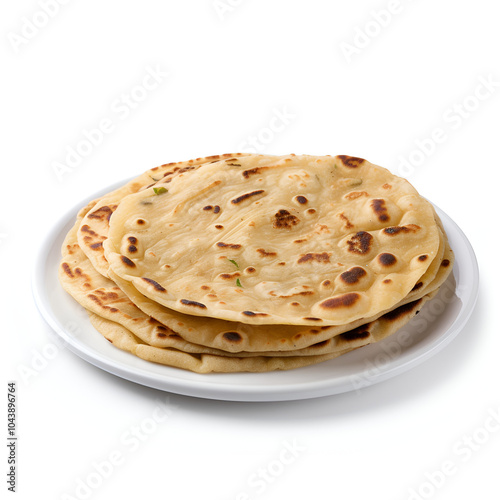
point(299, 240)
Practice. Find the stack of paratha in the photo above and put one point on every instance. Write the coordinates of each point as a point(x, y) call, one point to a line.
point(255, 263)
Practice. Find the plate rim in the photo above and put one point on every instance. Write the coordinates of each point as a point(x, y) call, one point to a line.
point(204, 388)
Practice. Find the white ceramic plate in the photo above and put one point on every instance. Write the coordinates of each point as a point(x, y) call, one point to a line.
point(438, 323)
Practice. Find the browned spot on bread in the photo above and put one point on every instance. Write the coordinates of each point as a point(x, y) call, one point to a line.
point(353, 275)
point(387, 281)
point(205, 287)
point(422, 258)
point(208, 207)
point(351, 161)
point(307, 292)
point(299, 241)
point(161, 334)
point(357, 334)
point(228, 276)
point(401, 310)
point(355, 194)
point(314, 257)
point(264, 253)
point(281, 263)
point(67, 269)
point(218, 226)
point(320, 344)
point(216, 209)
point(348, 223)
point(295, 303)
point(445, 263)
point(96, 246)
point(113, 309)
point(301, 199)
point(417, 286)
point(91, 296)
point(157, 286)
point(232, 336)
point(346, 300)
point(360, 243)
point(132, 240)
point(247, 173)
point(326, 283)
point(127, 261)
point(232, 246)
point(409, 228)
point(312, 319)
point(140, 221)
point(283, 219)
point(251, 313)
point(245, 196)
point(387, 259)
point(387, 186)
point(378, 206)
point(185, 169)
point(86, 229)
point(101, 213)
point(187, 302)
point(71, 248)
point(132, 249)
point(311, 211)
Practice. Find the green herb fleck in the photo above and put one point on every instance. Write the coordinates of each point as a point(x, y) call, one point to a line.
point(159, 190)
point(234, 262)
point(238, 283)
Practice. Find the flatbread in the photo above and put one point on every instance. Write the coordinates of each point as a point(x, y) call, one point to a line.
point(133, 320)
point(239, 240)
point(95, 224)
point(161, 327)
point(122, 338)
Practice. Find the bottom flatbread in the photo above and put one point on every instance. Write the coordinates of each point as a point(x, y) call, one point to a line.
point(200, 363)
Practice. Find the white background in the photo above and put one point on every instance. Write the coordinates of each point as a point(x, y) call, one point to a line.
point(230, 71)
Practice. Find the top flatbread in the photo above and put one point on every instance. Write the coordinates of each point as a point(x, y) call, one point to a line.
point(276, 240)
point(94, 225)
